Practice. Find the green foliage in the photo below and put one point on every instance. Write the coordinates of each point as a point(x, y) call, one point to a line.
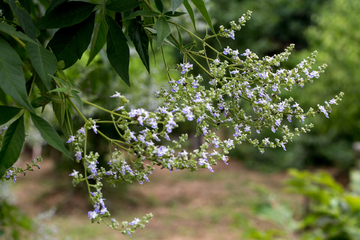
point(12, 144)
point(331, 212)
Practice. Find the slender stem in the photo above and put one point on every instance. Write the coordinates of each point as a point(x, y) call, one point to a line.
point(77, 110)
point(105, 110)
point(19, 41)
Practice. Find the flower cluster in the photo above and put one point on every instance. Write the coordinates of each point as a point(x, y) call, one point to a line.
point(12, 172)
point(243, 93)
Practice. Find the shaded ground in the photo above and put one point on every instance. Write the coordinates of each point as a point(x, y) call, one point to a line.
point(185, 205)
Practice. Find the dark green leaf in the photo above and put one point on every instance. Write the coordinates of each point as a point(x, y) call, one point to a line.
point(190, 12)
point(174, 14)
point(59, 111)
point(12, 144)
point(159, 5)
point(12, 80)
point(175, 4)
point(144, 13)
point(141, 42)
point(98, 39)
point(24, 19)
point(28, 5)
point(6, 28)
point(7, 113)
point(200, 5)
point(3, 97)
point(162, 29)
point(179, 36)
point(77, 98)
point(43, 61)
point(49, 134)
point(117, 50)
point(68, 44)
point(66, 15)
point(6, 10)
point(54, 4)
point(40, 102)
point(122, 6)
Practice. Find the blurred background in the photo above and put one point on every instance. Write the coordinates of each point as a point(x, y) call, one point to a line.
point(236, 201)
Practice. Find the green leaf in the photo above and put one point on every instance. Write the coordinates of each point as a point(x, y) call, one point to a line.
point(66, 15)
point(12, 77)
point(28, 5)
point(64, 90)
point(59, 111)
point(40, 102)
point(200, 5)
point(49, 134)
point(141, 42)
point(54, 4)
point(68, 44)
point(7, 113)
point(190, 12)
point(175, 4)
point(12, 144)
point(117, 50)
point(122, 6)
point(162, 29)
point(43, 61)
point(6, 28)
point(24, 19)
point(77, 98)
point(144, 13)
point(98, 39)
point(159, 5)
point(174, 14)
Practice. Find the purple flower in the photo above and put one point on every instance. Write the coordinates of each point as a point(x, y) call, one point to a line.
point(81, 130)
point(186, 67)
point(78, 155)
point(94, 127)
point(246, 53)
point(116, 95)
point(71, 139)
point(92, 214)
point(74, 174)
point(227, 51)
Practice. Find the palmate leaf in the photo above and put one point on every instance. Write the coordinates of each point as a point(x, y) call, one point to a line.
point(117, 50)
point(162, 29)
point(122, 6)
point(24, 19)
point(68, 44)
point(141, 42)
point(7, 113)
point(200, 5)
point(98, 39)
point(49, 134)
point(65, 15)
point(12, 80)
point(43, 61)
point(12, 144)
